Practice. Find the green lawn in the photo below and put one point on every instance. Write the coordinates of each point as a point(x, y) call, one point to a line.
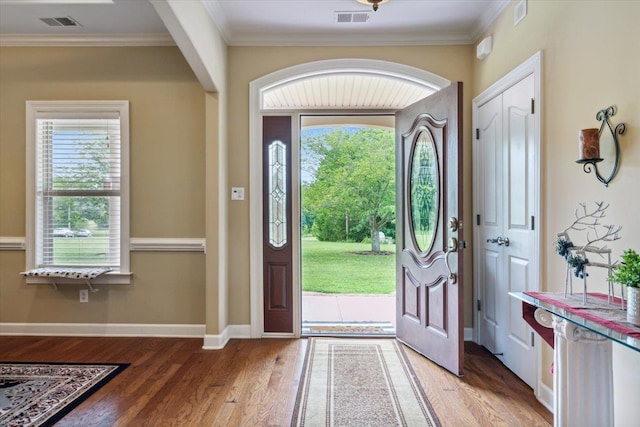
point(333, 268)
point(81, 250)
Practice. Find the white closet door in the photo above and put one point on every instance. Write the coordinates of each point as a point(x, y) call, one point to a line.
point(506, 168)
point(489, 172)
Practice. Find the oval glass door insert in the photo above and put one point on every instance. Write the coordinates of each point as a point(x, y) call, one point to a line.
point(424, 194)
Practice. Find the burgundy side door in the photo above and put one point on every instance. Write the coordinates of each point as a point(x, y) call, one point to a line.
point(277, 216)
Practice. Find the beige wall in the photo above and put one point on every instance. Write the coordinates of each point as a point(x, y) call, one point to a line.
point(591, 60)
point(249, 63)
point(167, 137)
point(591, 56)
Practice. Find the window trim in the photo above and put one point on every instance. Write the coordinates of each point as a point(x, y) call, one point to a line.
point(33, 110)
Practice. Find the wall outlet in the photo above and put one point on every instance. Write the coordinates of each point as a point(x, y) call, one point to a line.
point(84, 295)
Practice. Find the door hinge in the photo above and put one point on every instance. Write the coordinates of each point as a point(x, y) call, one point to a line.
point(533, 222)
point(477, 133)
point(478, 219)
point(479, 305)
point(533, 108)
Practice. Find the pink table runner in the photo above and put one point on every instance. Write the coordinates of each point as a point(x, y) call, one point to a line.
point(597, 310)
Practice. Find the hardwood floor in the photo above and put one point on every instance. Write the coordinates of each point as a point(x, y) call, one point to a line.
point(173, 382)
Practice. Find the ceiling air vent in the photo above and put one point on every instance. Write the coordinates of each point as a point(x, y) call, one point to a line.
point(61, 22)
point(351, 17)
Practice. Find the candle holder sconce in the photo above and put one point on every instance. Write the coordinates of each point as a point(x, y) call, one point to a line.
point(590, 145)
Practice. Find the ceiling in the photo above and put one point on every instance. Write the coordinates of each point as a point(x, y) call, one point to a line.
point(269, 23)
point(346, 91)
point(252, 22)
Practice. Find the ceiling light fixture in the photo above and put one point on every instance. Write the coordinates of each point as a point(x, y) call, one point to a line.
point(374, 3)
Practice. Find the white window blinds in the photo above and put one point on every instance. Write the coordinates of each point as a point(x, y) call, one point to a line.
point(78, 189)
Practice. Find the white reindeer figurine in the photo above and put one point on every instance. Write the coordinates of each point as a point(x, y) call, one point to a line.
point(576, 256)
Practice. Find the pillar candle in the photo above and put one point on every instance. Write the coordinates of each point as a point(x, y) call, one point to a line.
point(589, 144)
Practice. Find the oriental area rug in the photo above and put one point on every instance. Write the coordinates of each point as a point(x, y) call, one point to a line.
point(360, 382)
point(40, 394)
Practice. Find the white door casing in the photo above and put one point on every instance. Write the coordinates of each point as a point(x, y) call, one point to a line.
point(506, 202)
point(410, 75)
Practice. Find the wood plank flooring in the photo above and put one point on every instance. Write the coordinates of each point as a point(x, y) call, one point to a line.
point(173, 382)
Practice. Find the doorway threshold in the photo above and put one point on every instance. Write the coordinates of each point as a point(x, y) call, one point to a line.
point(337, 328)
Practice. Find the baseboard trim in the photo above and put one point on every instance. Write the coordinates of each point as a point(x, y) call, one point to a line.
point(545, 396)
point(103, 330)
point(468, 334)
point(217, 342)
point(211, 342)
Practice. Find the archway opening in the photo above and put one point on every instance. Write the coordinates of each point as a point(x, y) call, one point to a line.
point(337, 88)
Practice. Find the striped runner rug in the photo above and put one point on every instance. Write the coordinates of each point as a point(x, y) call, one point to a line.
point(360, 382)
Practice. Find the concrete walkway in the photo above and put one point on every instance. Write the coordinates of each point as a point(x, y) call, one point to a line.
point(348, 308)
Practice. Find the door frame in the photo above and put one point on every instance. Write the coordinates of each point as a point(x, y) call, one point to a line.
point(532, 66)
point(257, 87)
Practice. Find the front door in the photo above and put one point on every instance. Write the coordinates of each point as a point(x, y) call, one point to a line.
point(429, 282)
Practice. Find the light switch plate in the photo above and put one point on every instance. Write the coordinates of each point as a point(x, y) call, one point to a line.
point(237, 193)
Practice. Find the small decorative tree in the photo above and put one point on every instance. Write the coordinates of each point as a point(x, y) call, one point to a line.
point(627, 273)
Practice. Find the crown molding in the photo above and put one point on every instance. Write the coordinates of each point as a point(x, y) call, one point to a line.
point(219, 19)
point(105, 40)
point(487, 18)
point(362, 40)
point(57, 2)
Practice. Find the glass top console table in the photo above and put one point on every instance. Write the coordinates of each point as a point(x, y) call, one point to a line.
point(583, 332)
point(598, 315)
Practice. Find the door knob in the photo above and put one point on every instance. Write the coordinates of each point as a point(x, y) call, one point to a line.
point(499, 240)
point(503, 241)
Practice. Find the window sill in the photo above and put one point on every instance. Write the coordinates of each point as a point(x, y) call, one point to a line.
point(110, 278)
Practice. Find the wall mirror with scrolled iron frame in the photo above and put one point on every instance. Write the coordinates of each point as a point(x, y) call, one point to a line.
point(609, 158)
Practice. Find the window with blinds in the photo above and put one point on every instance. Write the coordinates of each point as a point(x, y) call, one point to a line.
point(77, 186)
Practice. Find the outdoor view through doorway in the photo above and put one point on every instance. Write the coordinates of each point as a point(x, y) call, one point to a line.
point(348, 224)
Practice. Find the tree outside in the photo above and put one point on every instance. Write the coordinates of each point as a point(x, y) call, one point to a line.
point(350, 191)
point(82, 167)
point(85, 168)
